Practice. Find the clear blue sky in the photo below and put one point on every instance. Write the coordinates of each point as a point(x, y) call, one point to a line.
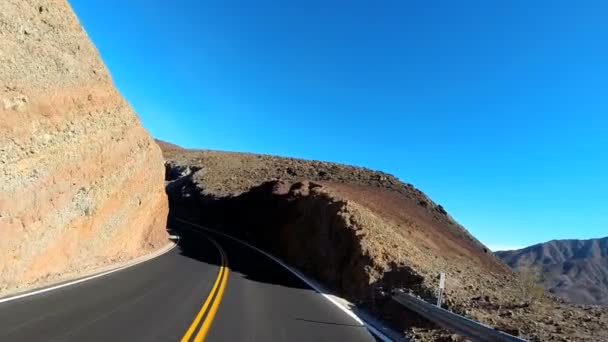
point(496, 109)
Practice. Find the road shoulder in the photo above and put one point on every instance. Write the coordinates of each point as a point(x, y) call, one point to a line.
point(92, 274)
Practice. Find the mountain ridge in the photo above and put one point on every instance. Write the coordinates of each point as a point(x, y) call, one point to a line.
point(575, 270)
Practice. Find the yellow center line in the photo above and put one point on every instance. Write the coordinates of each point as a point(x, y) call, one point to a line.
point(202, 333)
point(220, 279)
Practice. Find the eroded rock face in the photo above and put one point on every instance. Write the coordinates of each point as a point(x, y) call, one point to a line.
point(362, 233)
point(81, 181)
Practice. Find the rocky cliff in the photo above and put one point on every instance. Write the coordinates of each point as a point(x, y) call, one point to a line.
point(81, 181)
point(362, 233)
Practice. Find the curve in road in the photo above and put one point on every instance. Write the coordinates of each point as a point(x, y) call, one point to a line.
point(211, 302)
point(252, 298)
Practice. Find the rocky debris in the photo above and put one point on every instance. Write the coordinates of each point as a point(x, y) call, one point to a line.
point(81, 181)
point(242, 171)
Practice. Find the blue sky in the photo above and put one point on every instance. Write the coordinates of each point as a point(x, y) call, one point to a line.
point(496, 109)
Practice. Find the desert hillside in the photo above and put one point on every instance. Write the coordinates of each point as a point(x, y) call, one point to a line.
point(362, 233)
point(81, 181)
point(575, 270)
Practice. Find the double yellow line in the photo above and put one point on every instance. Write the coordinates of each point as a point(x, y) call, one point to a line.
point(212, 302)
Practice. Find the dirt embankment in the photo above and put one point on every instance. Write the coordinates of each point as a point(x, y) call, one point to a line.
point(363, 233)
point(81, 181)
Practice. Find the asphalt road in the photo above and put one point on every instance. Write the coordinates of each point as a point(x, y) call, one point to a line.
point(253, 299)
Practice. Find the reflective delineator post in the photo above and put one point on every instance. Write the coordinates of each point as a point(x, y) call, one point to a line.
point(441, 288)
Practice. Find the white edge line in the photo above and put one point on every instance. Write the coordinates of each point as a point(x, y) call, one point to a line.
point(47, 289)
point(372, 329)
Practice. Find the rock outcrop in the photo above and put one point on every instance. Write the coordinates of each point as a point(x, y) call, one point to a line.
point(362, 233)
point(81, 181)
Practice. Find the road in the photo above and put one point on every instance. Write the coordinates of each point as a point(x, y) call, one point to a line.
point(168, 299)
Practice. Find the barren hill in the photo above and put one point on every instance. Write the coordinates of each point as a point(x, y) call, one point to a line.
point(361, 233)
point(575, 270)
point(81, 181)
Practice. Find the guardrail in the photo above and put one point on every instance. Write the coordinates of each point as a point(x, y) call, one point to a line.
point(461, 325)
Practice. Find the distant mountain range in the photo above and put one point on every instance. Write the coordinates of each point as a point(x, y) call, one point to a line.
point(575, 270)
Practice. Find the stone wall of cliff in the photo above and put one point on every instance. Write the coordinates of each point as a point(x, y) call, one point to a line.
point(81, 181)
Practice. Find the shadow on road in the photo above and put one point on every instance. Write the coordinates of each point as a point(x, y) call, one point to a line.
point(242, 260)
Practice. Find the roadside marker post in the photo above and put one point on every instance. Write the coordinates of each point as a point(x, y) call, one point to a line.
point(441, 288)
